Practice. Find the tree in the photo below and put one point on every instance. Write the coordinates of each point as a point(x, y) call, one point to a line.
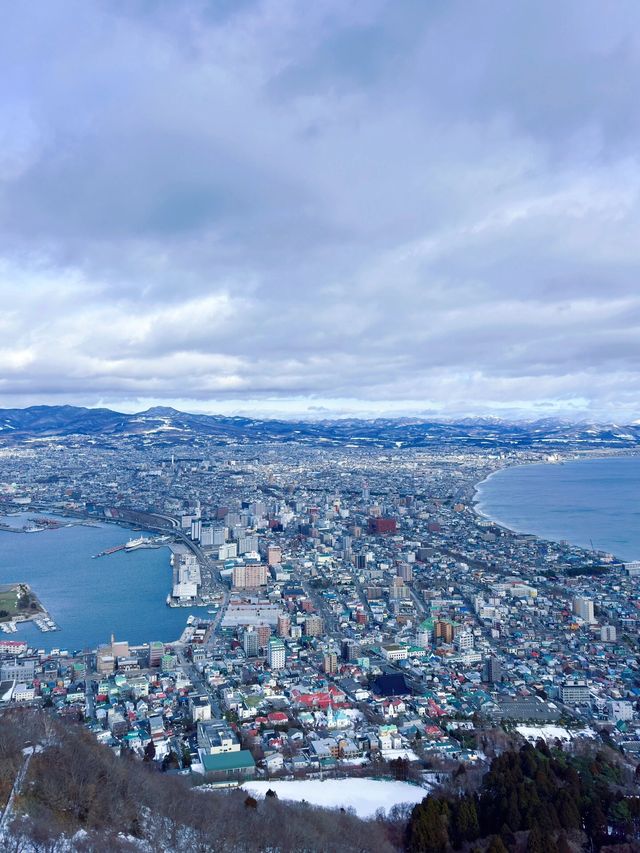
point(428, 828)
point(540, 842)
point(150, 751)
point(496, 845)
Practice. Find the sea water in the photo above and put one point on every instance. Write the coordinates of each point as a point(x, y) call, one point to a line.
point(89, 599)
point(590, 503)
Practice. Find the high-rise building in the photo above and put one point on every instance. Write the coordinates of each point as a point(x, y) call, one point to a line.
point(575, 692)
point(264, 632)
point(250, 643)
point(250, 576)
point(492, 670)
point(196, 529)
point(219, 535)
point(398, 589)
point(405, 572)
point(276, 653)
point(206, 536)
point(443, 631)
point(156, 650)
point(583, 607)
point(313, 626)
point(330, 663)
point(274, 555)
point(608, 634)
point(350, 650)
point(247, 544)
point(284, 625)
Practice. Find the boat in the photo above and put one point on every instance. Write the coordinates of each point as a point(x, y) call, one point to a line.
point(132, 544)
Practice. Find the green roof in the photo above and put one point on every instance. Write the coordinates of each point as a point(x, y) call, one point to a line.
point(228, 761)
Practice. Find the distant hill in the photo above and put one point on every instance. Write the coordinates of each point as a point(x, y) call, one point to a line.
point(162, 425)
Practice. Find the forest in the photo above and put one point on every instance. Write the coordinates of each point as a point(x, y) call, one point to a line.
point(78, 795)
point(534, 800)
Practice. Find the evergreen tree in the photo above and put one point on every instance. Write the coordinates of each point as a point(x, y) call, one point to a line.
point(496, 845)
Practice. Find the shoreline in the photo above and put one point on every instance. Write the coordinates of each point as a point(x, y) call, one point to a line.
point(79, 521)
point(39, 615)
point(562, 459)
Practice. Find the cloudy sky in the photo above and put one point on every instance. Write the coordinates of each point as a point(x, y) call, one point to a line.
point(337, 206)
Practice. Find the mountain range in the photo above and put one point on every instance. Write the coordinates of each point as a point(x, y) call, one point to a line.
point(162, 426)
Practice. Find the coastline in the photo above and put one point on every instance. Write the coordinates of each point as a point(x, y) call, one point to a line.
point(482, 514)
point(154, 619)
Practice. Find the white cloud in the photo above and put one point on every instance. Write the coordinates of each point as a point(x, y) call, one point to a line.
point(328, 207)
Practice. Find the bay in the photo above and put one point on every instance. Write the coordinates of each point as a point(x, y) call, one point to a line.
point(89, 599)
point(589, 502)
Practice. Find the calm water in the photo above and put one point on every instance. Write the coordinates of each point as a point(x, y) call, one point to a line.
point(124, 593)
point(594, 500)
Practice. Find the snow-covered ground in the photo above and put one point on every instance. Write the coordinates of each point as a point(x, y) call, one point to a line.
point(365, 796)
point(551, 733)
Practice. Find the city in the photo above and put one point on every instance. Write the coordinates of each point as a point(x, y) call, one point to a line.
point(355, 615)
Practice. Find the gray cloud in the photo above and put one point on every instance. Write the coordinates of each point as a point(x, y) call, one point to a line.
point(327, 207)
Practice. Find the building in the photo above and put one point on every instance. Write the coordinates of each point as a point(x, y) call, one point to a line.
point(330, 663)
point(284, 625)
point(230, 767)
point(405, 571)
point(276, 653)
point(633, 568)
point(251, 643)
point(583, 608)
point(398, 590)
point(206, 536)
point(492, 670)
point(156, 650)
point(393, 651)
point(351, 651)
point(575, 692)
point(608, 634)
point(274, 555)
point(381, 526)
point(463, 641)
point(247, 544)
point(216, 737)
point(263, 632)
point(250, 576)
point(18, 669)
point(444, 631)
point(620, 710)
point(313, 626)
point(200, 709)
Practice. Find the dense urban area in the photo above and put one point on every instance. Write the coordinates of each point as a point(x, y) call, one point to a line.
point(357, 618)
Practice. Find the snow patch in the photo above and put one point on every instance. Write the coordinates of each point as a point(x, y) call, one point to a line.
point(365, 796)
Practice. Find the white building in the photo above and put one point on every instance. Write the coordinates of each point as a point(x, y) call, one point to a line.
point(276, 653)
point(583, 607)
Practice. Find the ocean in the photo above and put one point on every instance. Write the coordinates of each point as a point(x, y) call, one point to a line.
point(590, 502)
point(124, 593)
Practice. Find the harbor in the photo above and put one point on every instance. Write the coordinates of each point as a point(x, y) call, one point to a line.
point(134, 545)
point(89, 598)
point(19, 604)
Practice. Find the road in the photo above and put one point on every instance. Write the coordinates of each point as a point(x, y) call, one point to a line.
point(6, 818)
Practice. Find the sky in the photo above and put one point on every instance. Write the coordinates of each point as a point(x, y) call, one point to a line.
point(337, 207)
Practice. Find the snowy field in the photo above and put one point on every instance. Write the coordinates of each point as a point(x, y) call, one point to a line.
point(551, 733)
point(365, 796)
